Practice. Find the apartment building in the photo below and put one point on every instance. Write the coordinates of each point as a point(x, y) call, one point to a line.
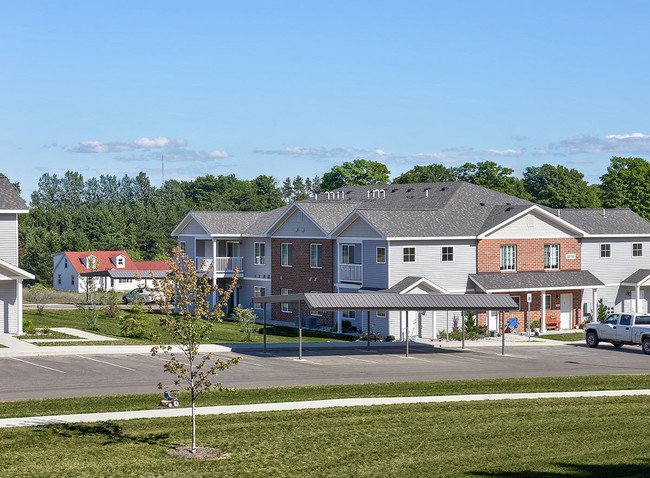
point(427, 238)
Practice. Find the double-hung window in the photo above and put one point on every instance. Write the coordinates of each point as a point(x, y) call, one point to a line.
point(508, 257)
point(260, 253)
point(286, 254)
point(285, 305)
point(315, 256)
point(259, 292)
point(551, 256)
point(637, 249)
point(408, 254)
point(381, 255)
point(605, 250)
point(448, 254)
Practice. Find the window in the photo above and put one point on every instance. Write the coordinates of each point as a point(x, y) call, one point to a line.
point(551, 256)
point(626, 319)
point(517, 299)
point(381, 314)
point(637, 250)
point(124, 281)
point(59, 279)
point(316, 255)
point(260, 253)
point(508, 258)
point(286, 254)
point(232, 249)
point(612, 319)
point(120, 261)
point(72, 280)
point(448, 254)
point(285, 305)
point(65, 266)
point(381, 255)
point(547, 301)
point(408, 254)
point(348, 314)
point(183, 246)
point(347, 254)
point(605, 250)
point(642, 320)
point(259, 292)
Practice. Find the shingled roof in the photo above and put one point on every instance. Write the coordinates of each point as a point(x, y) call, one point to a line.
point(10, 200)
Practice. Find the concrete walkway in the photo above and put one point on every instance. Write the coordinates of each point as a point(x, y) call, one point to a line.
point(304, 405)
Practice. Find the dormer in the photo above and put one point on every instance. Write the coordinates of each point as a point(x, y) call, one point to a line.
point(90, 261)
point(119, 261)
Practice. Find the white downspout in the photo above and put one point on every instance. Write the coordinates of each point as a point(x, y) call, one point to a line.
point(19, 305)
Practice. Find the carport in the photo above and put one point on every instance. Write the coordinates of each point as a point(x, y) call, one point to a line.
point(387, 301)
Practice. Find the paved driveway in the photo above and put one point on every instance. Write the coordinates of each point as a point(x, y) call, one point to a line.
point(72, 375)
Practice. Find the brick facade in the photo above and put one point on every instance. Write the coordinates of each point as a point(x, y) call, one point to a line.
point(530, 254)
point(301, 277)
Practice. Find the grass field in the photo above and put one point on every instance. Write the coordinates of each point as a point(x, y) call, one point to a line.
point(223, 332)
point(551, 437)
point(55, 406)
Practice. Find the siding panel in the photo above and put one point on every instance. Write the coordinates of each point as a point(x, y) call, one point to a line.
point(520, 229)
point(298, 224)
point(9, 238)
point(8, 307)
point(359, 228)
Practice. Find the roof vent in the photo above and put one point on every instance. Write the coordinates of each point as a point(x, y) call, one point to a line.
point(426, 193)
point(444, 188)
point(395, 190)
point(508, 209)
point(482, 203)
point(368, 193)
point(409, 190)
point(508, 204)
point(604, 215)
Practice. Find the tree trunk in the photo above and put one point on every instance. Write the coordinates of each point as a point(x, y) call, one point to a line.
point(193, 416)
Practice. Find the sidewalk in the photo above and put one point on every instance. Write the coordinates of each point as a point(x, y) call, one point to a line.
point(304, 405)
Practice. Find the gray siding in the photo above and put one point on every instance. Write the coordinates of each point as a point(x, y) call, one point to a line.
point(9, 238)
point(247, 250)
point(8, 307)
point(190, 246)
point(247, 294)
point(374, 275)
point(538, 227)
point(193, 227)
point(428, 263)
point(298, 224)
point(359, 228)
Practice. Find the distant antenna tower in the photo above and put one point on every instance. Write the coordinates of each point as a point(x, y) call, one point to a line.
point(162, 161)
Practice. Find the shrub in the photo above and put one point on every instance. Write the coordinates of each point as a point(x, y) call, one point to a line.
point(28, 327)
point(246, 319)
point(135, 325)
point(346, 325)
point(602, 311)
point(46, 330)
point(535, 324)
point(112, 300)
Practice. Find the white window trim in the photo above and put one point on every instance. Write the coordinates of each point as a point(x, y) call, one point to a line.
point(641, 249)
point(260, 289)
point(558, 258)
point(501, 268)
point(183, 245)
point(382, 312)
point(261, 256)
point(321, 256)
point(403, 253)
point(285, 307)
point(517, 299)
point(377, 255)
point(453, 254)
point(289, 256)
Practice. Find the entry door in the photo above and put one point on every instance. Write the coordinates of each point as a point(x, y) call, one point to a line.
point(493, 320)
point(566, 310)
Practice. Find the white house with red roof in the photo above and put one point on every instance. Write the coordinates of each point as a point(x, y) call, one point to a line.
point(111, 270)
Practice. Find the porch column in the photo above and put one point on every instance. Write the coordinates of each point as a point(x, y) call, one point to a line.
point(214, 272)
point(543, 321)
point(637, 298)
point(19, 305)
point(594, 305)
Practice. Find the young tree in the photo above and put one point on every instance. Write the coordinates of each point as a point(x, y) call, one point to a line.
point(188, 316)
point(94, 294)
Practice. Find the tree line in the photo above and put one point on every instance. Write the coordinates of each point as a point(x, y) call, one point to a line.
point(70, 213)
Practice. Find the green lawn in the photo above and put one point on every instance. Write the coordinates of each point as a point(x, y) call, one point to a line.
point(567, 337)
point(55, 406)
point(52, 334)
point(551, 437)
point(224, 332)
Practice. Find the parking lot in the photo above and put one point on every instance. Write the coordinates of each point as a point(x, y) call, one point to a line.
point(76, 375)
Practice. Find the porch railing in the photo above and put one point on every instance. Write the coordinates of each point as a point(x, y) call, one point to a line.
point(221, 264)
point(350, 272)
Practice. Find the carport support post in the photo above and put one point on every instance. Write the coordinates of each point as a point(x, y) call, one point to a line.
point(368, 328)
point(503, 335)
point(264, 323)
point(299, 331)
point(462, 328)
point(407, 333)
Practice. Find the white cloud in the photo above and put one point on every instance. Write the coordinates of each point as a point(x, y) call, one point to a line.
point(121, 146)
point(612, 143)
point(502, 152)
point(218, 154)
point(326, 153)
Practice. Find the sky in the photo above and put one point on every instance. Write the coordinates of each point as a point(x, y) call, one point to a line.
point(288, 88)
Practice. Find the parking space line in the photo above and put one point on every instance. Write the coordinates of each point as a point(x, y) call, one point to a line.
point(354, 358)
point(37, 365)
point(456, 356)
point(107, 363)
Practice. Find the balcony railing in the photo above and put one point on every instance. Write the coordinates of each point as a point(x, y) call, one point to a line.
point(222, 264)
point(350, 273)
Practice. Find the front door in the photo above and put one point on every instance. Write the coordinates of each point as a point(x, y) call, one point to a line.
point(566, 311)
point(493, 320)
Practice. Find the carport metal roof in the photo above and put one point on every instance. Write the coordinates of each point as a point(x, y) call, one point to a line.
point(388, 301)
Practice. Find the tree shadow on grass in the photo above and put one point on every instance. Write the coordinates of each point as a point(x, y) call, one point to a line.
point(579, 471)
point(112, 432)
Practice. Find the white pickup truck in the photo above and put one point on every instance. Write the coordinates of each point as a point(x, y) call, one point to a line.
point(620, 329)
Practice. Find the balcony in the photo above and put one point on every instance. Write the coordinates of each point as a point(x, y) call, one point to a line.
point(351, 273)
point(222, 265)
